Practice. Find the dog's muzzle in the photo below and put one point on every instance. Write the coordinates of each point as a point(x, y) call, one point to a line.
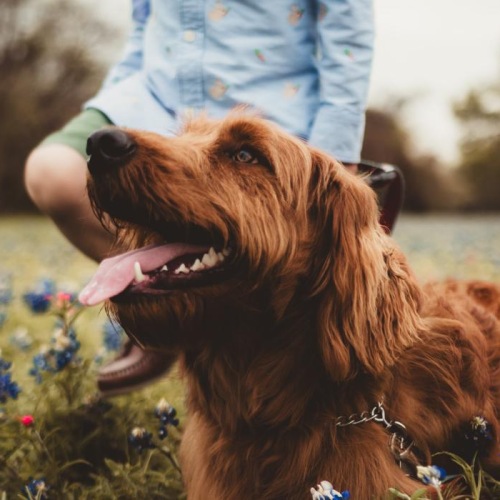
point(108, 148)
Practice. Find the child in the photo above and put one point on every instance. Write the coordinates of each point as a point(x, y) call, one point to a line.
point(304, 64)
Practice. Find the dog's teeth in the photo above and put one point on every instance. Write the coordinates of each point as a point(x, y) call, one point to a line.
point(210, 258)
point(206, 259)
point(182, 269)
point(139, 275)
point(226, 252)
point(197, 266)
point(164, 268)
point(220, 257)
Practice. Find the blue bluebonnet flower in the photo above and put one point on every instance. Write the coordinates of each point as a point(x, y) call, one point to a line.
point(40, 298)
point(166, 414)
point(36, 488)
point(40, 364)
point(53, 359)
point(112, 335)
point(431, 475)
point(325, 491)
point(141, 439)
point(66, 345)
point(4, 365)
point(8, 388)
point(479, 433)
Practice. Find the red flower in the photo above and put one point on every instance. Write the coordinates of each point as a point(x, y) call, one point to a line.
point(27, 420)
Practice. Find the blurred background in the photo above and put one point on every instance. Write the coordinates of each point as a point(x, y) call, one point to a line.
point(434, 100)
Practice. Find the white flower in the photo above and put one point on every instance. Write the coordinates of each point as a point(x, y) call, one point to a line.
point(431, 475)
point(324, 490)
point(163, 406)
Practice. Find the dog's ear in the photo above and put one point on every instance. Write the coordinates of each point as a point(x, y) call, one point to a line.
point(368, 300)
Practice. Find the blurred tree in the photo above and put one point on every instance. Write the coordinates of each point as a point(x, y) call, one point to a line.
point(50, 62)
point(429, 186)
point(479, 114)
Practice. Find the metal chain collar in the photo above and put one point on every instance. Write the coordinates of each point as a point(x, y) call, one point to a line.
point(377, 413)
point(403, 449)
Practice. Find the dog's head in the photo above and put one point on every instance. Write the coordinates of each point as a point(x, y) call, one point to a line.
point(234, 216)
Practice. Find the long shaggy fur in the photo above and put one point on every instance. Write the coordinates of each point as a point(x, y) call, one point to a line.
point(320, 318)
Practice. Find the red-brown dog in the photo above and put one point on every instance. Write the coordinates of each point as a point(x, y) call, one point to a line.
point(309, 350)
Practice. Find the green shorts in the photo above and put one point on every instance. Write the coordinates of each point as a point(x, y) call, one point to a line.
point(75, 133)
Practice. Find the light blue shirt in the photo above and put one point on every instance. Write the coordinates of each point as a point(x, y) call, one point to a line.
point(303, 64)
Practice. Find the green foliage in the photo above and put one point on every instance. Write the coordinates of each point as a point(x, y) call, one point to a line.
point(481, 168)
point(78, 443)
point(50, 62)
point(428, 186)
point(479, 483)
point(472, 483)
point(479, 114)
point(420, 494)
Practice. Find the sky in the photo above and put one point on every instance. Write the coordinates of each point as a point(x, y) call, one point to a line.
point(435, 50)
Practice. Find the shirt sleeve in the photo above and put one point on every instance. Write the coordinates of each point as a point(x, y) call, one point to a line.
point(345, 44)
point(132, 57)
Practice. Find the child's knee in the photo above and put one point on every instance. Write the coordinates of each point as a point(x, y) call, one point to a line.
point(55, 178)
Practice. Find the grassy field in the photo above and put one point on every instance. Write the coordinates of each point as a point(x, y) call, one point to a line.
point(452, 246)
point(438, 246)
point(31, 249)
point(79, 445)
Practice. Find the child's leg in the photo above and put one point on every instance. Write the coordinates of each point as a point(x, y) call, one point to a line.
point(55, 177)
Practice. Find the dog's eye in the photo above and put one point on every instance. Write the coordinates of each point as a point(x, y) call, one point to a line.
point(244, 156)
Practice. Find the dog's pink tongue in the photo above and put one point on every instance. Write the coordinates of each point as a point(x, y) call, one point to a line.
point(116, 273)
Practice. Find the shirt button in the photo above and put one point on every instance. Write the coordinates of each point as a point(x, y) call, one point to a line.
point(189, 36)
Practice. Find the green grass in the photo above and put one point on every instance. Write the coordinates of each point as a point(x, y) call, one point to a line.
point(79, 446)
point(451, 246)
point(31, 248)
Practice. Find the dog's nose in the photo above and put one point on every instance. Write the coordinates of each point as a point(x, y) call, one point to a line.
point(108, 148)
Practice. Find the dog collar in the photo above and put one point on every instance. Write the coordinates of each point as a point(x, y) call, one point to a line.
point(402, 447)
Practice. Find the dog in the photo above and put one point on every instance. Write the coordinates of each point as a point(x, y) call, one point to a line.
point(310, 351)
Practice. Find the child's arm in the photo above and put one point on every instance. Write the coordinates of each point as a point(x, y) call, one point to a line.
point(345, 36)
point(131, 60)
